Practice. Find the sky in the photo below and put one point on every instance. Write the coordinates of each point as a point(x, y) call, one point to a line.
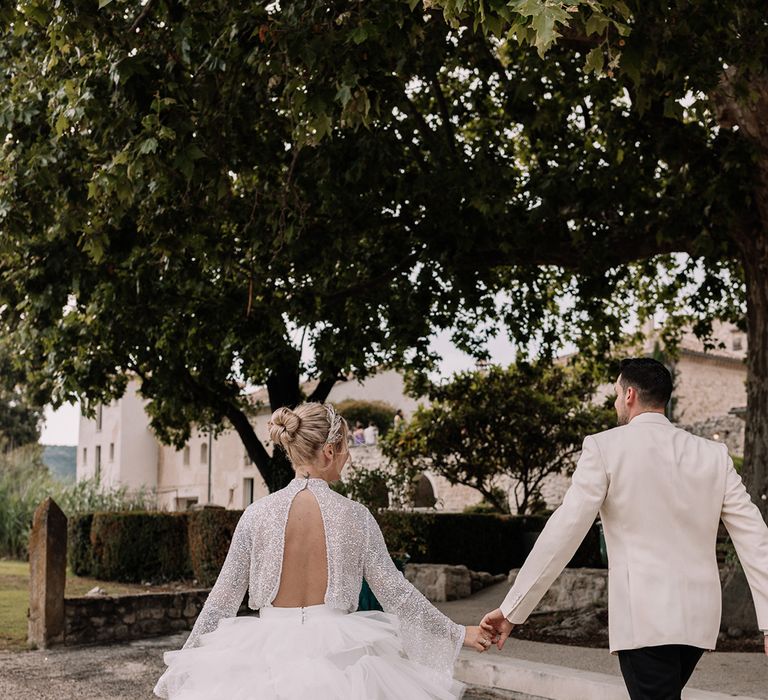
point(61, 426)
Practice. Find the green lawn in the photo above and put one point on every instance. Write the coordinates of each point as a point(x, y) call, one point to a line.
point(14, 599)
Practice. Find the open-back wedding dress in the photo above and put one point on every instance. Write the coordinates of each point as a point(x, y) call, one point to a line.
point(321, 651)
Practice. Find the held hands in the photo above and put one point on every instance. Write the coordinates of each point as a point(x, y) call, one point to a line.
point(477, 639)
point(497, 626)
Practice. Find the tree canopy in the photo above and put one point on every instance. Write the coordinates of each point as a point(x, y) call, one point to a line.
point(207, 193)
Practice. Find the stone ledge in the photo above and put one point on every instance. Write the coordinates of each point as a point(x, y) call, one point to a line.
point(527, 679)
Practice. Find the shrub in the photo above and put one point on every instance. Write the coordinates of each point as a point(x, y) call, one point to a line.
point(209, 534)
point(381, 413)
point(79, 549)
point(140, 546)
point(494, 543)
point(25, 482)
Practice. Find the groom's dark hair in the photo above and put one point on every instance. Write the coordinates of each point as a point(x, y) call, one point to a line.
point(649, 378)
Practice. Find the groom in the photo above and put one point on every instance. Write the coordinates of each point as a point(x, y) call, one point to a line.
point(661, 493)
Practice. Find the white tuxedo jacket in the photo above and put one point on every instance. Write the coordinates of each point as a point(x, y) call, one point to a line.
point(661, 493)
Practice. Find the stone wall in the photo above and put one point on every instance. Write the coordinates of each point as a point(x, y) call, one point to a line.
point(120, 618)
point(727, 429)
point(454, 498)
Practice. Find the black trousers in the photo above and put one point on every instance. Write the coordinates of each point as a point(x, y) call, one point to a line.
point(658, 673)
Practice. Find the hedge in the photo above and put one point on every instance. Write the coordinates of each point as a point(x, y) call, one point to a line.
point(164, 546)
point(209, 534)
point(137, 546)
point(494, 543)
point(79, 549)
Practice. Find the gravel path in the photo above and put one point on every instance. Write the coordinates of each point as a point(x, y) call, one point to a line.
point(115, 672)
point(129, 671)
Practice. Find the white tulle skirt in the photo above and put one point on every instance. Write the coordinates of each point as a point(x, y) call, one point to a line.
point(314, 653)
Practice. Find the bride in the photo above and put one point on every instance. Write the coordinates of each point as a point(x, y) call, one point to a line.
point(302, 553)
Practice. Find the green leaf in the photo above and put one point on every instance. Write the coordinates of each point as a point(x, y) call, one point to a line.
point(544, 26)
point(62, 124)
point(148, 146)
point(359, 35)
point(595, 59)
point(344, 95)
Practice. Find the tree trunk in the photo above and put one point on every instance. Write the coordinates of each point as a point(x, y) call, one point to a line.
point(748, 113)
point(742, 100)
point(755, 473)
point(284, 389)
point(256, 451)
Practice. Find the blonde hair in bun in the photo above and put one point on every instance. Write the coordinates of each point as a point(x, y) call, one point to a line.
point(303, 431)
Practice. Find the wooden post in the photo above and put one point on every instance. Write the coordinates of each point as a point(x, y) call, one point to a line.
point(47, 575)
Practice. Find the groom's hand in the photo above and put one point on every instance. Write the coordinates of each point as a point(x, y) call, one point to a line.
point(495, 622)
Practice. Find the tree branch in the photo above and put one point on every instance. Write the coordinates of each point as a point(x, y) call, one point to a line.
point(324, 386)
point(142, 16)
point(445, 114)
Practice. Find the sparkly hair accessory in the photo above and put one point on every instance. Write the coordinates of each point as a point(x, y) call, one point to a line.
point(334, 420)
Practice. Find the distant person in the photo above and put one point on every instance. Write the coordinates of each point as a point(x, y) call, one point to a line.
point(399, 419)
point(661, 493)
point(301, 553)
point(358, 434)
point(371, 434)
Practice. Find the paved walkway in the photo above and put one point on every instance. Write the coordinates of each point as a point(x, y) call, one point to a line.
point(724, 672)
point(128, 671)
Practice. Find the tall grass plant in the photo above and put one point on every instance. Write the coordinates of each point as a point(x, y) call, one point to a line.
point(25, 481)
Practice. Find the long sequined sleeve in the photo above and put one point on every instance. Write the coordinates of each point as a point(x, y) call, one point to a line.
point(428, 636)
point(229, 590)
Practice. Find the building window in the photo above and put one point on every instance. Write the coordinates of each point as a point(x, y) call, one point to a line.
point(204, 453)
point(737, 342)
point(98, 462)
point(111, 451)
point(247, 461)
point(247, 492)
point(186, 455)
point(98, 418)
point(85, 456)
point(185, 503)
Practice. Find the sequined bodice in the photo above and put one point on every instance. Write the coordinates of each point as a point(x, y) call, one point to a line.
point(355, 549)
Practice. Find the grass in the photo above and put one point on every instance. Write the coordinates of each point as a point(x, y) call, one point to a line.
point(14, 598)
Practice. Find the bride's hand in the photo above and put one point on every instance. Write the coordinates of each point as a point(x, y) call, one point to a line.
point(477, 639)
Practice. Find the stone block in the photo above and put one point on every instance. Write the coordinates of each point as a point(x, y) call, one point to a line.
point(574, 589)
point(48, 570)
point(191, 610)
point(440, 582)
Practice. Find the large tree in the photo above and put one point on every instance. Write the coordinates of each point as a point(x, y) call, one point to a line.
point(187, 187)
point(170, 212)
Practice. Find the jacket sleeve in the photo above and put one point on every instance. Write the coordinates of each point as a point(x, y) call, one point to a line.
point(428, 636)
point(228, 592)
point(749, 534)
point(561, 536)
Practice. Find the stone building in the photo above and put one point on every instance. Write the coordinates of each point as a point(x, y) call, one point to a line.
point(119, 448)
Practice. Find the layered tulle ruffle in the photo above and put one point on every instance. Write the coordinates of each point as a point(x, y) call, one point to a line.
point(314, 653)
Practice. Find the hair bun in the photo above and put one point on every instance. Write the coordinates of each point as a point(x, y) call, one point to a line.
point(283, 426)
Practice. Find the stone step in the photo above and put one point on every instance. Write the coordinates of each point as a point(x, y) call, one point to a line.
point(528, 680)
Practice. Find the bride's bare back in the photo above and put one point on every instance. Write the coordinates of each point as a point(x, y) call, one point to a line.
point(304, 577)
